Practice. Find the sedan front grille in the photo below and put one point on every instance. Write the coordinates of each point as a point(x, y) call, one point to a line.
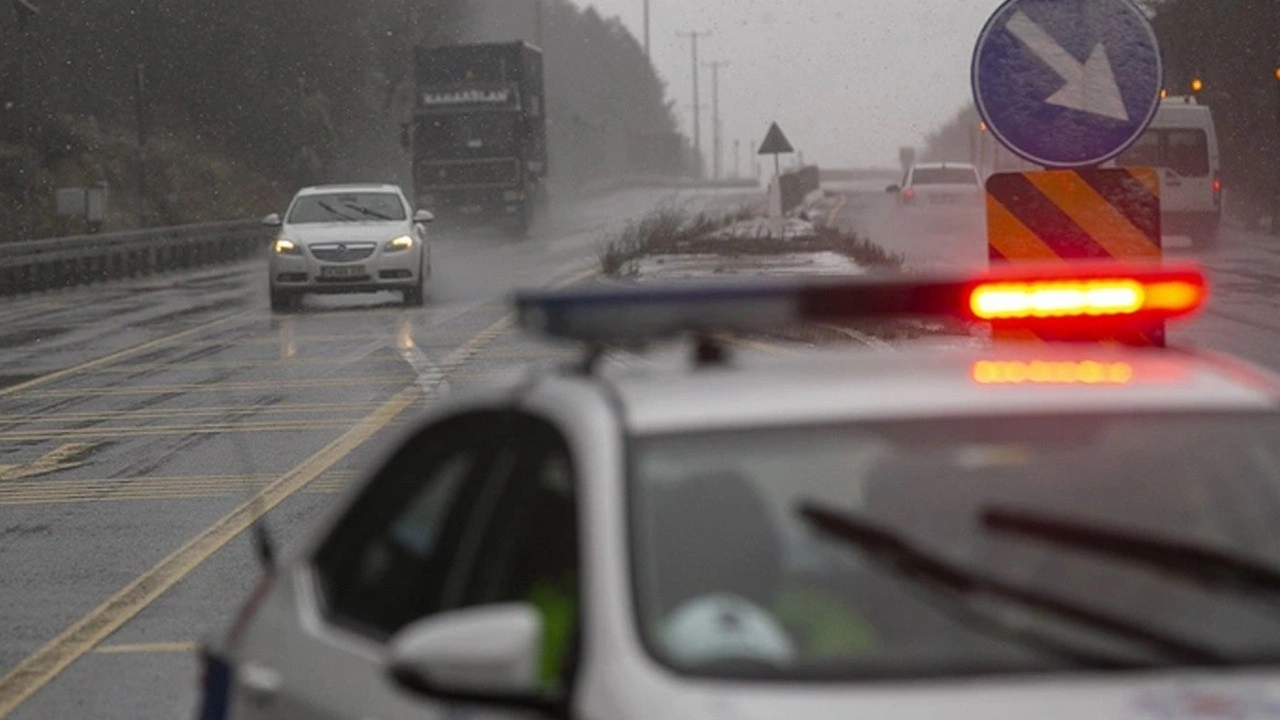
point(343, 252)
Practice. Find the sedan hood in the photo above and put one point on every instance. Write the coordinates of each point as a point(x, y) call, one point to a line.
point(345, 232)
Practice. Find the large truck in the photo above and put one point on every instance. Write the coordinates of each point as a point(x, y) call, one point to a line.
point(479, 134)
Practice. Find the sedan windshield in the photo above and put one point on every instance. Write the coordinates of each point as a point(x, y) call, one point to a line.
point(960, 547)
point(355, 207)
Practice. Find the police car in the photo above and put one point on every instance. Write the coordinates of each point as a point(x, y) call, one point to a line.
point(1025, 529)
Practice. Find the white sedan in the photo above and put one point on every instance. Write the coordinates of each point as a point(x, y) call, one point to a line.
point(1023, 531)
point(349, 239)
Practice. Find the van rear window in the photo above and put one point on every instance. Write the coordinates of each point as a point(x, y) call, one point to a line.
point(944, 176)
point(1185, 151)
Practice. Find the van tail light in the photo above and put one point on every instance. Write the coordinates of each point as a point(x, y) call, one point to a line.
point(909, 195)
point(1217, 190)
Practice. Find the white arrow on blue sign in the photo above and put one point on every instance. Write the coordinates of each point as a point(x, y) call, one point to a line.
point(1067, 83)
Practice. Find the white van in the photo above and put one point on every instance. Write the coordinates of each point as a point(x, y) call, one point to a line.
point(1183, 145)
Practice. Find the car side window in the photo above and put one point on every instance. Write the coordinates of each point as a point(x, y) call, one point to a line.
point(385, 564)
point(531, 538)
point(527, 550)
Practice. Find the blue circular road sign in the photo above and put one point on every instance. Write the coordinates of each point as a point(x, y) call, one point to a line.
point(1067, 83)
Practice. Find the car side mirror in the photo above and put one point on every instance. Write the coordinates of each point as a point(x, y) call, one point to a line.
point(893, 190)
point(424, 216)
point(488, 655)
point(272, 220)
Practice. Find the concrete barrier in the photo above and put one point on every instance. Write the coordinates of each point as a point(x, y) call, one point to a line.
point(794, 186)
point(55, 263)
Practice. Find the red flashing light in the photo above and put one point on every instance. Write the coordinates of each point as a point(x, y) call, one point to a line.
point(1088, 292)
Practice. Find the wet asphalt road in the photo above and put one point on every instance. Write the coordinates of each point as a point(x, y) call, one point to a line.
point(143, 425)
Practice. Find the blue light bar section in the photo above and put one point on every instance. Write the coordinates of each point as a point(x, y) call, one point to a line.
point(623, 315)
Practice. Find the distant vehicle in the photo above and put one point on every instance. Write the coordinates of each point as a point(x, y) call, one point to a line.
point(1049, 530)
point(479, 135)
point(940, 185)
point(349, 239)
point(1182, 143)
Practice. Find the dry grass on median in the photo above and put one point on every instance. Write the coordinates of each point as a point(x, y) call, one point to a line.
point(674, 231)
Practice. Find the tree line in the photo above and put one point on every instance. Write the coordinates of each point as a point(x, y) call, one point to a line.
point(243, 100)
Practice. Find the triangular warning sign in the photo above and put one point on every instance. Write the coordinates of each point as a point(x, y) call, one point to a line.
point(775, 143)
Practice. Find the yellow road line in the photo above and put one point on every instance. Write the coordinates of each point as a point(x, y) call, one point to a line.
point(18, 312)
point(147, 648)
point(834, 216)
point(161, 430)
point(74, 491)
point(121, 354)
point(37, 669)
point(248, 386)
point(328, 409)
point(266, 363)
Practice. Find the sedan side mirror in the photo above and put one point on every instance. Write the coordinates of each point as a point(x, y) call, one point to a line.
point(893, 190)
point(487, 655)
point(272, 220)
point(424, 216)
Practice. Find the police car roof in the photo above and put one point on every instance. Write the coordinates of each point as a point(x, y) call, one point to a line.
point(820, 387)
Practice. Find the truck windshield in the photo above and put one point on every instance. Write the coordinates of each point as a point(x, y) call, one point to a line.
point(720, 524)
point(468, 135)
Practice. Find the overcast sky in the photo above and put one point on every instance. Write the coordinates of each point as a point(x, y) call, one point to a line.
point(849, 81)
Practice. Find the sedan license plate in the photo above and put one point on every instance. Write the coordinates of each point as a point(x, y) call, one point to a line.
point(342, 271)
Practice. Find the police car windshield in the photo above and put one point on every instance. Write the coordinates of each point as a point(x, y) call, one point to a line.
point(760, 592)
point(347, 207)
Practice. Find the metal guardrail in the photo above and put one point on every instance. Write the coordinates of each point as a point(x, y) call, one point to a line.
point(55, 263)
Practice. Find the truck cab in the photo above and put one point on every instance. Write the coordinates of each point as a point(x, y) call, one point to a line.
point(479, 133)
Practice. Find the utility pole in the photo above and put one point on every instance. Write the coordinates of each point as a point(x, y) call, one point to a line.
point(647, 53)
point(697, 99)
point(715, 113)
point(25, 12)
point(539, 24)
point(737, 159)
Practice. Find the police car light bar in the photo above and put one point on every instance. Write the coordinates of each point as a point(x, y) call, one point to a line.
point(1014, 295)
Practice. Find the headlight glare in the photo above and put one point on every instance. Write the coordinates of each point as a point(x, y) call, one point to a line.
point(285, 246)
point(404, 242)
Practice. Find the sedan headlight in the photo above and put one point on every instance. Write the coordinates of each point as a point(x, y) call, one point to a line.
point(285, 246)
point(404, 242)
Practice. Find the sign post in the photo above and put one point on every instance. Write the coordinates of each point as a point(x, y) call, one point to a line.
point(776, 144)
point(1069, 85)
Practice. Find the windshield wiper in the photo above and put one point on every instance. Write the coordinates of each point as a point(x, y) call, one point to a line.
point(1212, 569)
point(366, 211)
point(904, 559)
point(334, 211)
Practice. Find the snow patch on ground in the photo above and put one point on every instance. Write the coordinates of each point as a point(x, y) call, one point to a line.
point(668, 267)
